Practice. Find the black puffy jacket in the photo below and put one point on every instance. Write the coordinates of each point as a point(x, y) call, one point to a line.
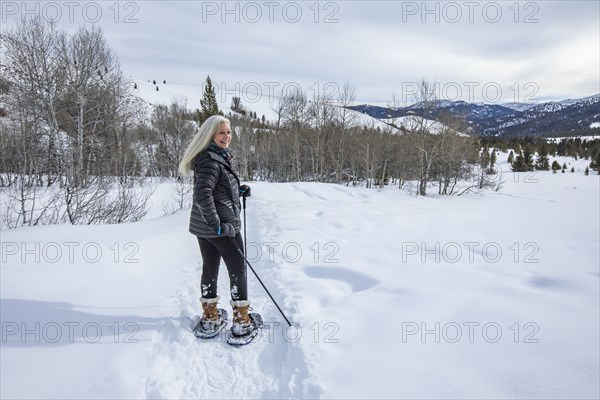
point(216, 195)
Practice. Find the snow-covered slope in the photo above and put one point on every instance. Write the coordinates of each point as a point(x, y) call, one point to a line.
point(394, 296)
point(411, 123)
point(263, 102)
point(519, 106)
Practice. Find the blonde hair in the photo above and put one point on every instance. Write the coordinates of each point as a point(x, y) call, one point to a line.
point(200, 142)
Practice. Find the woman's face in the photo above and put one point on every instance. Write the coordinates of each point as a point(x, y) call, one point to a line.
point(223, 135)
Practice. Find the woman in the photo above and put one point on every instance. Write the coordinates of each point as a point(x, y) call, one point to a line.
point(215, 220)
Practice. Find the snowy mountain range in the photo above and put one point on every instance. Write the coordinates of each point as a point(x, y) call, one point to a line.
point(508, 119)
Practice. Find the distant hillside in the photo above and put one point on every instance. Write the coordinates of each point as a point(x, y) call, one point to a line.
point(511, 119)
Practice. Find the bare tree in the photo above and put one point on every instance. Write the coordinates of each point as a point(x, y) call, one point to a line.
point(31, 64)
point(346, 121)
point(422, 128)
point(68, 112)
point(294, 113)
point(172, 134)
point(321, 111)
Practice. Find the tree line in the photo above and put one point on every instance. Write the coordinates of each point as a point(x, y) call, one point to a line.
point(320, 140)
point(533, 153)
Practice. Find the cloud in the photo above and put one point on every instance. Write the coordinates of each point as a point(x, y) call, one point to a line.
point(378, 46)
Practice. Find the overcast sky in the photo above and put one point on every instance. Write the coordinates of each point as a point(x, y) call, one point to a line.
point(471, 50)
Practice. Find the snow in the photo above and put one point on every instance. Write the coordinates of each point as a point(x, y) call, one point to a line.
point(558, 139)
point(263, 101)
point(594, 125)
point(519, 106)
point(550, 105)
point(491, 295)
point(360, 119)
point(593, 98)
point(412, 123)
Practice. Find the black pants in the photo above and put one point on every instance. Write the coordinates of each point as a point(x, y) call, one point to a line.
point(213, 249)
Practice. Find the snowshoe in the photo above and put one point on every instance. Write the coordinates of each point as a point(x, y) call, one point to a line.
point(206, 329)
point(242, 335)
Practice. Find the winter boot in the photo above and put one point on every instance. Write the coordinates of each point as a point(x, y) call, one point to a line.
point(213, 319)
point(245, 325)
point(242, 324)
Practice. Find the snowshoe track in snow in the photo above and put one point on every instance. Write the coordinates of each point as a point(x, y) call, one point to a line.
point(183, 366)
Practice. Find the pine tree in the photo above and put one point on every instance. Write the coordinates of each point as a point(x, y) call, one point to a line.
point(595, 164)
point(587, 171)
point(154, 81)
point(511, 157)
point(528, 156)
point(572, 169)
point(519, 165)
point(542, 161)
point(555, 166)
point(517, 148)
point(493, 159)
point(208, 102)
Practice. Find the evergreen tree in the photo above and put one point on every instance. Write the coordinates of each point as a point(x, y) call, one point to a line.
point(517, 148)
point(528, 156)
point(572, 169)
point(154, 81)
point(519, 165)
point(587, 171)
point(493, 159)
point(555, 166)
point(208, 102)
point(511, 157)
point(595, 164)
point(542, 162)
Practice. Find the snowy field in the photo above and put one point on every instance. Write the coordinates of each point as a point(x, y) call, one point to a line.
point(492, 295)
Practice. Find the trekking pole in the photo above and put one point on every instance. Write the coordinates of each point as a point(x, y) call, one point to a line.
point(245, 241)
point(246, 193)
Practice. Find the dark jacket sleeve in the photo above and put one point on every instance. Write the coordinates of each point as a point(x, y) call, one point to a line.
point(206, 178)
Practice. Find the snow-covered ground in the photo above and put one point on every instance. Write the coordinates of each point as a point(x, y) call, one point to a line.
point(558, 139)
point(491, 295)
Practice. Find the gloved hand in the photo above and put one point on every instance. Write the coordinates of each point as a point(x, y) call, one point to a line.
point(245, 191)
point(227, 230)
